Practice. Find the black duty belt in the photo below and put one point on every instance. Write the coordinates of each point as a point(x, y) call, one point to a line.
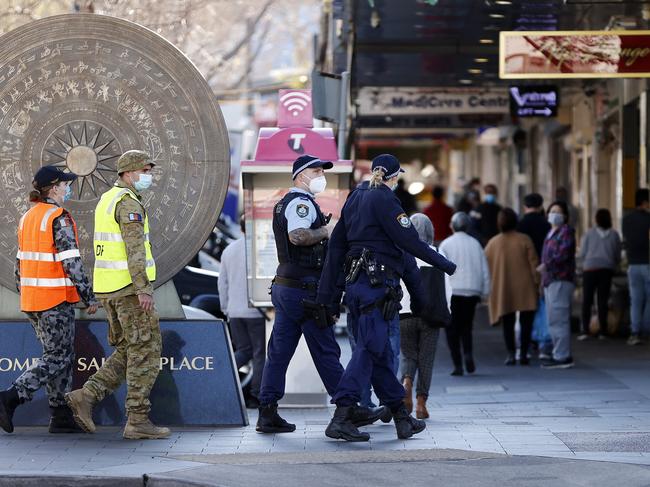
point(295, 283)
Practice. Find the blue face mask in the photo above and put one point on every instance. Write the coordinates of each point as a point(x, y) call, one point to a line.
point(144, 182)
point(68, 193)
point(490, 198)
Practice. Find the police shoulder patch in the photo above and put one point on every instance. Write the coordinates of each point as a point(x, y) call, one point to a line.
point(404, 220)
point(302, 210)
point(135, 217)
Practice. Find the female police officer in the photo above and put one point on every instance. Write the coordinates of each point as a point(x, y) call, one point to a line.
point(375, 237)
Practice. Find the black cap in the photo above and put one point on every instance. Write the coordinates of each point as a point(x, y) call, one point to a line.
point(389, 163)
point(51, 175)
point(307, 162)
point(533, 200)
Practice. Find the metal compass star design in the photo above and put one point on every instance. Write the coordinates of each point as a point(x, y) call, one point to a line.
point(85, 149)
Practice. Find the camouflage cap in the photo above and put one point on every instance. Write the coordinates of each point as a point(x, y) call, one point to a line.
point(133, 160)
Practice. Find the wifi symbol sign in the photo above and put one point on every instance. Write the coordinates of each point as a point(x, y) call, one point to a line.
point(295, 102)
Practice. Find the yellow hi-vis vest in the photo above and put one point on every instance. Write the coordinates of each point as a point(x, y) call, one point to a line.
point(111, 272)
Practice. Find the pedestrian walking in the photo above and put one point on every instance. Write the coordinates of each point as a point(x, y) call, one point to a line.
point(636, 231)
point(419, 334)
point(558, 275)
point(123, 276)
point(487, 213)
point(373, 235)
point(247, 325)
point(562, 195)
point(600, 253)
point(301, 235)
point(440, 214)
point(50, 278)
point(513, 261)
point(533, 223)
point(407, 200)
point(469, 284)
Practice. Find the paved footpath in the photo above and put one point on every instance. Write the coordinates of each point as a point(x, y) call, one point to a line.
point(502, 426)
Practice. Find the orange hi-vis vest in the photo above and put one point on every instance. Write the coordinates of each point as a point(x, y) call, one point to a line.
point(43, 281)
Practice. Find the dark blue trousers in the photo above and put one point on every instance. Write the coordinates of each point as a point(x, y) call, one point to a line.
point(372, 359)
point(287, 329)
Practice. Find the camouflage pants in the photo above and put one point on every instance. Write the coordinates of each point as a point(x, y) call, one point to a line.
point(55, 330)
point(135, 334)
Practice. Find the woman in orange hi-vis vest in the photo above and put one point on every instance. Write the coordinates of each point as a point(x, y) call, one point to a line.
point(50, 279)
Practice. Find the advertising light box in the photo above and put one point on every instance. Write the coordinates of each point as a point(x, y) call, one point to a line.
point(534, 101)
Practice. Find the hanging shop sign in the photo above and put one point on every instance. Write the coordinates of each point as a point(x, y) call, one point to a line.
point(576, 54)
point(395, 101)
point(534, 101)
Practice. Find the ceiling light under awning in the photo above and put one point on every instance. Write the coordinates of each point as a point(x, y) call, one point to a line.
point(416, 188)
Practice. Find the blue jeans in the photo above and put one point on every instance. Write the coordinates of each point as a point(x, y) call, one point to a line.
point(638, 276)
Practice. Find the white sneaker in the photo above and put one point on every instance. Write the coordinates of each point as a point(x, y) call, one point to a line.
point(583, 337)
point(544, 356)
point(634, 340)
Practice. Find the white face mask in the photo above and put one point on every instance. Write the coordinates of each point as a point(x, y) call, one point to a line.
point(556, 219)
point(317, 184)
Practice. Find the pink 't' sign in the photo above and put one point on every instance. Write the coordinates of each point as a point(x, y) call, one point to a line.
point(295, 109)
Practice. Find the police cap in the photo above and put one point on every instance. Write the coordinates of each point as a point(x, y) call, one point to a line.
point(309, 162)
point(390, 165)
point(133, 160)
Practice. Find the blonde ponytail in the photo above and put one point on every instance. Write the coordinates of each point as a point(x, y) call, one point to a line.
point(377, 178)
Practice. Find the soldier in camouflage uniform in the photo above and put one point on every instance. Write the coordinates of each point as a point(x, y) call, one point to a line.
point(54, 326)
point(134, 328)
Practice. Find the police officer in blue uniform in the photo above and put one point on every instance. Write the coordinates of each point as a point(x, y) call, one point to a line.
point(370, 246)
point(301, 235)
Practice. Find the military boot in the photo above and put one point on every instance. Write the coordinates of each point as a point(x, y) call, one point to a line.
point(342, 428)
point(62, 421)
point(405, 424)
point(9, 401)
point(269, 421)
point(81, 404)
point(139, 427)
point(363, 416)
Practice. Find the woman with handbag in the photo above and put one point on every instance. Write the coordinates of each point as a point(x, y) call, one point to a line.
point(419, 334)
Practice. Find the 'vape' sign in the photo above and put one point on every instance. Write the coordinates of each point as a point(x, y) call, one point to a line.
point(534, 101)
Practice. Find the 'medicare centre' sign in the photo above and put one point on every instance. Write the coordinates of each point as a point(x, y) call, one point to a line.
point(381, 101)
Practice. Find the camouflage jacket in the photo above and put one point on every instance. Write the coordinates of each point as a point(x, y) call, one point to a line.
point(64, 239)
point(130, 215)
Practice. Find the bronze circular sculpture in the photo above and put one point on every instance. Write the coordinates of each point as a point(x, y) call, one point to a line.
point(78, 90)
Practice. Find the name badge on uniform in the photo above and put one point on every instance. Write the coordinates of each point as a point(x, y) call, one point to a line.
point(302, 210)
point(404, 220)
point(135, 217)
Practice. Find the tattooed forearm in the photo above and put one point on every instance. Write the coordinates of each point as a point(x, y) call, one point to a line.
point(307, 236)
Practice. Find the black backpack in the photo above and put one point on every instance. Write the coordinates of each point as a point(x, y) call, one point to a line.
point(435, 312)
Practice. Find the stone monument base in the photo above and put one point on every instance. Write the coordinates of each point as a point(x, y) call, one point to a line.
point(198, 382)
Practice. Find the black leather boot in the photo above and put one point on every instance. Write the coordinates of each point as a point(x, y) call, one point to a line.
point(342, 428)
point(363, 416)
point(269, 421)
point(405, 424)
point(9, 401)
point(62, 421)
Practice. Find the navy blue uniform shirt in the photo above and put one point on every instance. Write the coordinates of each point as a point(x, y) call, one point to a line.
point(374, 219)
